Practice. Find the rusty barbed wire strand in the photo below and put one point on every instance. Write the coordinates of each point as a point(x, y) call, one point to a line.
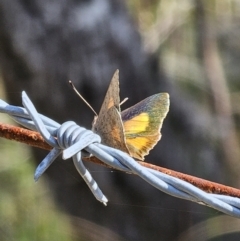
point(35, 139)
point(69, 139)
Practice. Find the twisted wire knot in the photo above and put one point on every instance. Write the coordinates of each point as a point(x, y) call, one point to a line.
point(73, 138)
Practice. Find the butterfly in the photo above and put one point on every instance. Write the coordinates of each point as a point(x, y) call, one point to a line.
point(135, 130)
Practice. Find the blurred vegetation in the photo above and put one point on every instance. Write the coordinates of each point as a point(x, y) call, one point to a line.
point(198, 46)
point(198, 42)
point(175, 30)
point(199, 49)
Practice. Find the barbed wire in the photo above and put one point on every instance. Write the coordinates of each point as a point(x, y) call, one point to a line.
point(70, 139)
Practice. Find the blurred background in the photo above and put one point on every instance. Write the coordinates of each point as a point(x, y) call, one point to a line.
point(190, 49)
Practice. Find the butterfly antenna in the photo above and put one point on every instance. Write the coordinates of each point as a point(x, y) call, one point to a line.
point(123, 101)
point(71, 83)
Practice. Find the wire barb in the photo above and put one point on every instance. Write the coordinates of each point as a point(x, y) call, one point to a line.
point(70, 139)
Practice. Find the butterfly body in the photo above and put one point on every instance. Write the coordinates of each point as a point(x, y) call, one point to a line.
point(136, 130)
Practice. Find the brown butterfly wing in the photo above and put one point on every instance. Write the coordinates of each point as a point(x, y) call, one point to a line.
point(109, 124)
point(142, 124)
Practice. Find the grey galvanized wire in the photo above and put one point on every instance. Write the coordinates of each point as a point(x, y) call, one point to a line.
point(70, 139)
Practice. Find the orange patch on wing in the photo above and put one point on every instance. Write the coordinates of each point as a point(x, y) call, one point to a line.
point(138, 142)
point(110, 103)
point(140, 146)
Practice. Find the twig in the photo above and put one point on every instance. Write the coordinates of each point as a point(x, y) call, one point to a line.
point(33, 138)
